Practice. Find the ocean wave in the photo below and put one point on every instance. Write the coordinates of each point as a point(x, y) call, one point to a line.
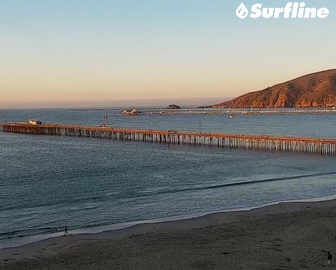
point(239, 183)
point(133, 194)
point(29, 232)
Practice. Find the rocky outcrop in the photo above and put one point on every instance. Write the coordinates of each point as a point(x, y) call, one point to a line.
point(173, 107)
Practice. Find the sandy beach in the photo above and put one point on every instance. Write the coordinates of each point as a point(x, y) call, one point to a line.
point(281, 236)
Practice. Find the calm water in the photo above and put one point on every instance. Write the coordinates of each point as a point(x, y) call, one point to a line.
point(47, 182)
point(310, 125)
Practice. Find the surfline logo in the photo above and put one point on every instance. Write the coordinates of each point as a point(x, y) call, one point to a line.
point(292, 10)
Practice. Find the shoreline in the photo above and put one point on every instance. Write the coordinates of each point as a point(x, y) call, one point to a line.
point(272, 216)
point(29, 240)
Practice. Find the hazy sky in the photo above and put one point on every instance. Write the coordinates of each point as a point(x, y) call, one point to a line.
point(98, 51)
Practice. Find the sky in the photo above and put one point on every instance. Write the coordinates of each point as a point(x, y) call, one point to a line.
point(108, 52)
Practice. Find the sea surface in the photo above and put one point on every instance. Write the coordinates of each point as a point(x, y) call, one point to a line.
point(47, 182)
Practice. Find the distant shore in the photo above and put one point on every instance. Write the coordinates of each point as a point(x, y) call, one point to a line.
point(295, 235)
point(242, 111)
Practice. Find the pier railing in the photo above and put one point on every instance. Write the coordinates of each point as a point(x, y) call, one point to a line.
point(255, 142)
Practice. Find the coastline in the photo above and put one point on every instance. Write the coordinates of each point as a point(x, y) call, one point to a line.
point(28, 240)
point(303, 231)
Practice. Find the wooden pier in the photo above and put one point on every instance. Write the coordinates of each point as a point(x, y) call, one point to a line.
point(253, 142)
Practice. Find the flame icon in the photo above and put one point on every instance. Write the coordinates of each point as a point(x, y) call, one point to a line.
point(242, 11)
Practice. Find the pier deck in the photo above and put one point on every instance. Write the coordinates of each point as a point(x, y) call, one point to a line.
point(255, 142)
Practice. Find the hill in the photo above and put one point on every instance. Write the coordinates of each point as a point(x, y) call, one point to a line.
point(312, 90)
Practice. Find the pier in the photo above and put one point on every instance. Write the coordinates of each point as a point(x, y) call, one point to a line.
point(252, 142)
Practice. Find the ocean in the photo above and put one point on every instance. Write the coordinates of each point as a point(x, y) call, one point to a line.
point(89, 185)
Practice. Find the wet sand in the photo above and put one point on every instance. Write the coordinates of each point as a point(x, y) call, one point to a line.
point(282, 236)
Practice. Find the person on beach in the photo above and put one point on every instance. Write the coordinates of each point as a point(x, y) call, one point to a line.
point(330, 257)
point(66, 233)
